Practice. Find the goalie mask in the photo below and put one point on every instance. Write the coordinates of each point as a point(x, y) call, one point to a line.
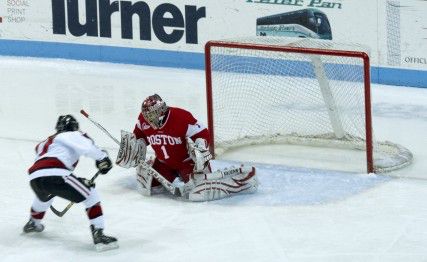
point(66, 123)
point(154, 110)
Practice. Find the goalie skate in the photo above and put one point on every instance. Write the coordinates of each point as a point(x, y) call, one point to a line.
point(234, 181)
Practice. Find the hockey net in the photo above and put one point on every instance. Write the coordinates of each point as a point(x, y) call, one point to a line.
point(274, 90)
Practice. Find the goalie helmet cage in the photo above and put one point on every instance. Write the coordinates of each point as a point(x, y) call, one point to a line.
point(274, 90)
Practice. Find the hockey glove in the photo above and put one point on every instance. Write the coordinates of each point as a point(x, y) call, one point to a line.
point(104, 165)
point(132, 151)
point(199, 153)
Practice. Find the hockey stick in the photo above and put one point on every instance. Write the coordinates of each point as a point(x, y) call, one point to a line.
point(61, 213)
point(168, 185)
point(99, 126)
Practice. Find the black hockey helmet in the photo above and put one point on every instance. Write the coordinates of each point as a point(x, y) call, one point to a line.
point(66, 123)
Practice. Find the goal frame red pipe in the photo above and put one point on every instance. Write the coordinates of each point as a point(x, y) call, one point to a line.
point(290, 49)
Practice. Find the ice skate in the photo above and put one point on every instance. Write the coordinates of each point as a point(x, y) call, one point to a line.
point(32, 226)
point(101, 241)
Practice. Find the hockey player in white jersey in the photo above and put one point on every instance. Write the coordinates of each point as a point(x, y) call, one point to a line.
point(51, 175)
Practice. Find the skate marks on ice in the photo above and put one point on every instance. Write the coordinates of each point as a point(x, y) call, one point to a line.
point(51, 244)
point(401, 111)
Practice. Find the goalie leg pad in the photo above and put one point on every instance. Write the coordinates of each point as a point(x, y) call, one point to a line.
point(245, 181)
point(147, 173)
point(144, 180)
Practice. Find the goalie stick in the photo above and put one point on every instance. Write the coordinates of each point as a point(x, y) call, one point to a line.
point(61, 213)
point(168, 185)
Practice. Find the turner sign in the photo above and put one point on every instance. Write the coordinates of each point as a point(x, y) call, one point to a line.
point(168, 23)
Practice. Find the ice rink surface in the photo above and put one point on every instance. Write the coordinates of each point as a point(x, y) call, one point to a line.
point(298, 214)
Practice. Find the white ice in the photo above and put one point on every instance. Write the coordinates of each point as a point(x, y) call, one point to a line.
point(299, 214)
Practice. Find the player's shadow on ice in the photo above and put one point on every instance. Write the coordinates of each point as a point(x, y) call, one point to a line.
point(50, 238)
point(285, 186)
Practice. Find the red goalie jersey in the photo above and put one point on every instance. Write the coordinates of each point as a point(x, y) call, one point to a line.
point(169, 140)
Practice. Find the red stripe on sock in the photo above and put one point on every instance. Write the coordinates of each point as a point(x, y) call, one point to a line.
point(37, 215)
point(94, 211)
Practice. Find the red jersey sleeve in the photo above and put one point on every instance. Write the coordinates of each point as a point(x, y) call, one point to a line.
point(137, 131)
point(196, 129)
point(202, 134)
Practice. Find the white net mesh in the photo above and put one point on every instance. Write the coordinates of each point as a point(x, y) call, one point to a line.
point(264, 96)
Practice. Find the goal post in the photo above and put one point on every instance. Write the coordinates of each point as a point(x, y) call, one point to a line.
point(274, 90)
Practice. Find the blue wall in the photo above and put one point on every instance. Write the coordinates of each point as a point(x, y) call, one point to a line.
point(163, 58)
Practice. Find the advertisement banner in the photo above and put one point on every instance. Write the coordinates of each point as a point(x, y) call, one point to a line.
point(394, 30)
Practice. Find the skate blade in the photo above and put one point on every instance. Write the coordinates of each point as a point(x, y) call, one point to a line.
point(104, 247)
point(34, 230)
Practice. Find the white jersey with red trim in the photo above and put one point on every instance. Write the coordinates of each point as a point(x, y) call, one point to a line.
point(59, 154)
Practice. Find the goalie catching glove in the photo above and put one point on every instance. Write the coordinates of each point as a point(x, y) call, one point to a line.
point(132, 151)
point(199, 153)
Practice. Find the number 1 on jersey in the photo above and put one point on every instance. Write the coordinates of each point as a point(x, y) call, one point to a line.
point(165, 152)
